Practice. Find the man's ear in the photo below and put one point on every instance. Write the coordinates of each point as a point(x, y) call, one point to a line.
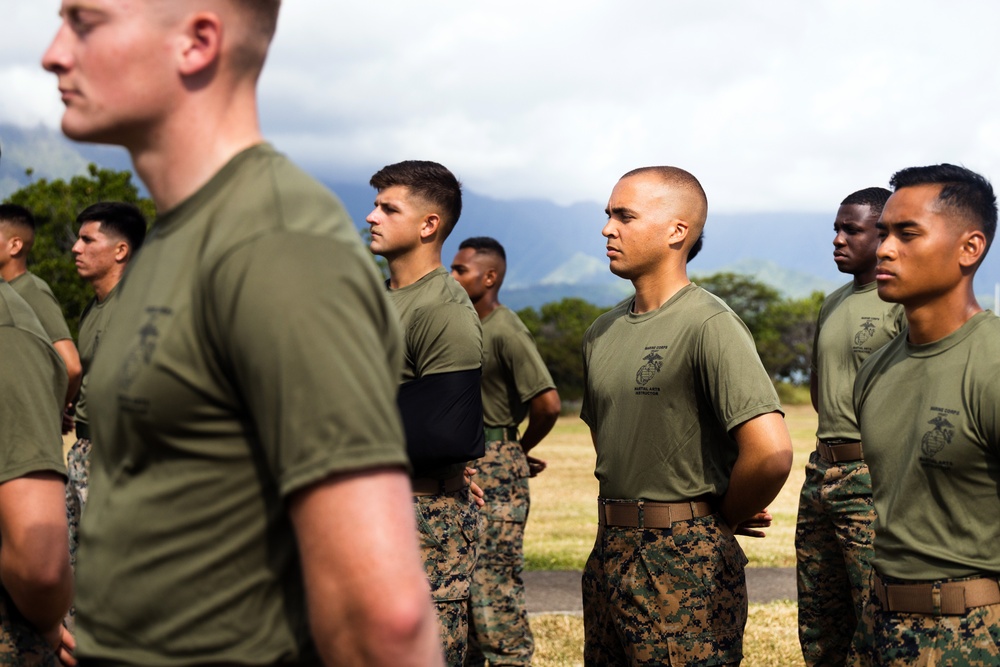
point(973, 248)
point(200, 43)
point(679, 231)
point(490, 279)
point(430, 225)
point(15, 245)
point(121, 251)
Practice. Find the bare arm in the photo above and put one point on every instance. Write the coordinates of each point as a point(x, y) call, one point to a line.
point(34, 549)
point(368, 598)
point(814, 389)
point(543, 411)
point(70, 356)
point(762, 466)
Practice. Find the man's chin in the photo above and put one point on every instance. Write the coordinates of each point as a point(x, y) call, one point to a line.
point(86, 134)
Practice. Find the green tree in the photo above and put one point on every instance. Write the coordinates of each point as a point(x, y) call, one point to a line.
point(558, 329)
point(782, 329)
point(55, 205)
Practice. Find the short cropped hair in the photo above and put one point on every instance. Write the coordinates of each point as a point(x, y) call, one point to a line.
point(118, 219)
point(873, 198)
point(964, 191)
point(264, 15)
point(484, 244)
point(428, 180)
point(685, 179)
point(13, 214)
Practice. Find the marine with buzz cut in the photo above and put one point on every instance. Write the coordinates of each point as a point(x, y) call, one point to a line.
point(516, 384)
point(691, 444)
point(833, 534)
point(417, 205)
point(109, 234)
point(17, 236)
point(928, 404)
point(249, 492)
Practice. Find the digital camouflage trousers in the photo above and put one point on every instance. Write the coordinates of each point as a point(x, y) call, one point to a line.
point(448, 526)
point(665, 596)
point(499, 633)
point(885, 638)
point(20, 644)
point(833, 551)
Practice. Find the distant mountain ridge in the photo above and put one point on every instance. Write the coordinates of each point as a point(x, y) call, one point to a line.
point(553, 251)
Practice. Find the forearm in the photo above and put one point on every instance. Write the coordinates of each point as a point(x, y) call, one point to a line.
point(543, 412)
point(38, 578)
point(761, 468)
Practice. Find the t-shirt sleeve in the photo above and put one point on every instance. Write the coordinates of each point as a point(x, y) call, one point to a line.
point(585, 407)
point(44, 303)
point(316, 353)
point(531, 376)
point(732, 373)
point(444, 338)
point(30, 407)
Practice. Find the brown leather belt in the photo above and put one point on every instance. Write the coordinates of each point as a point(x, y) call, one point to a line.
point(428, 486)
point(839, 452)
point(648, 513)
point(946, 598)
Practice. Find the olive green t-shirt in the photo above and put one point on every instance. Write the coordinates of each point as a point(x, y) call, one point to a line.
point(853, 322)
point(513, 370)
point(93, 324)
point(32, 388)
point(662, 391)
point(253, 354)
point(441, 334)
point(930, 423)
point(39, 296)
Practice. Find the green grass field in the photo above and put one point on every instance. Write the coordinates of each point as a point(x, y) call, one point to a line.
point(563, 523)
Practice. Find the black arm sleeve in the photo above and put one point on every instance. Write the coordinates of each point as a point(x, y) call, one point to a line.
point(443, 418)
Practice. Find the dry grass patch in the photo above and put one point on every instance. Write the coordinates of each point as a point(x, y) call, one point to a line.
point(771, 638)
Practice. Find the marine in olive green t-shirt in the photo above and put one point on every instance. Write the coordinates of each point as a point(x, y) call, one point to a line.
point(663, 390)
point(39, 296)
point(930, 422)
point(513, 370)
point(251, 350)
point(853, 322)
point(93, 324)
point(32, 387)
point(441, 334)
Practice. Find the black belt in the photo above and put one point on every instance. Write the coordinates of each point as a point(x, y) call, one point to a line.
point(428, 486)
point(82, 431)
point(501, 433)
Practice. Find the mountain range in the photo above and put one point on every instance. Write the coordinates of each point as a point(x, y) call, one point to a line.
point(553, 251)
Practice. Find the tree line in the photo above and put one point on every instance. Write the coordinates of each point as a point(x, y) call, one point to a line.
point(782, 328)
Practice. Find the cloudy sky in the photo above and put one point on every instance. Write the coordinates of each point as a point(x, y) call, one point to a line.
point(774, 105)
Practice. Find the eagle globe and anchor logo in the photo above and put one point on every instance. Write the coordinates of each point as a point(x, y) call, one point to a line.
point(936, 439)
point(653, 365)
point(865, 333)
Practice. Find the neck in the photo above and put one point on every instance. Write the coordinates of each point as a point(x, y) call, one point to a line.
point(652, 290)
point(862, 279)
point(177, 158)
point(486, 305)
point(103, 285)
point(12, 270)
point(408, 268)
point(933, 319)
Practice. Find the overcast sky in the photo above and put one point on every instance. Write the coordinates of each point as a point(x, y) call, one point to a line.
point(775, 106)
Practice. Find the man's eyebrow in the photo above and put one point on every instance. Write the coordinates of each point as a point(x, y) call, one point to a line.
point(620, 210)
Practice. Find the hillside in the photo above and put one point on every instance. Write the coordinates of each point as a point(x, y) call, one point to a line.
point(554, 251)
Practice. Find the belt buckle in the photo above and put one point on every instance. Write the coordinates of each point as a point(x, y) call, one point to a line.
point(640, 514)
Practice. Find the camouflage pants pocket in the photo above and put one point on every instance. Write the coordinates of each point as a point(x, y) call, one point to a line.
point(20, 644)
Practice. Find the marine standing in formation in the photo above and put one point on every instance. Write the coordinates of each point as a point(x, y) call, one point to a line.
point(515, 384)
point(928, 404)
point(417, 206)
point(36, 583)
point(17, 235)
point(690, 441)
point(109, 234)
point(833, 534)
point(249, 499)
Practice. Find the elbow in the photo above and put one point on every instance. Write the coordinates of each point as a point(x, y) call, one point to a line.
point(778, 464)
point(404, 631)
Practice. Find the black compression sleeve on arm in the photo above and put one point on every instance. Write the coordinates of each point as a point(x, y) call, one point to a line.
point(443, 418)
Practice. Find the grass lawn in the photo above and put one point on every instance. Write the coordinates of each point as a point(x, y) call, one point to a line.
point(563, 521)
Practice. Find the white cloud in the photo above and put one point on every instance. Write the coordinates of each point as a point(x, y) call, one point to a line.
point(776, 106)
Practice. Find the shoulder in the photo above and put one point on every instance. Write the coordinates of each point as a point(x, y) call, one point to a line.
point(605, 320)
point(834, 299)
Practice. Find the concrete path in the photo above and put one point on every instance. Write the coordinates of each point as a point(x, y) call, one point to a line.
point(558, 592)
